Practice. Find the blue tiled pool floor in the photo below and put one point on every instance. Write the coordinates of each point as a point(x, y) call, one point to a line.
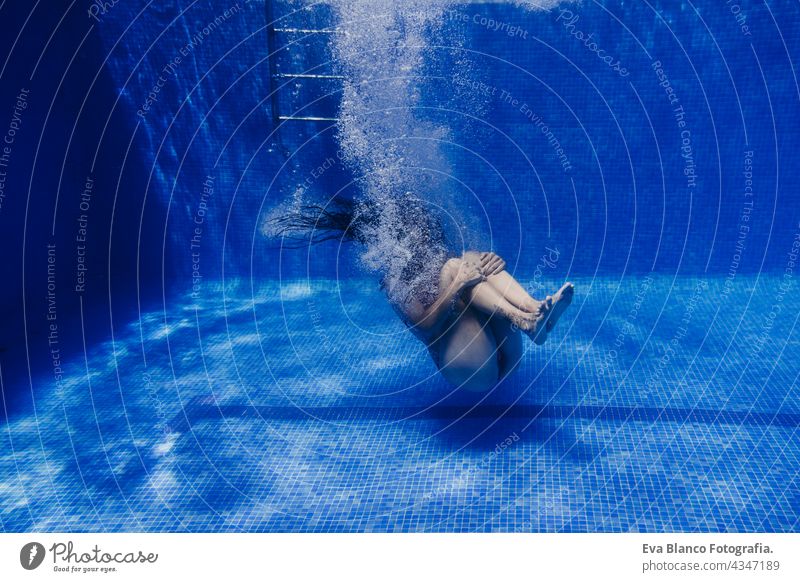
point(660, 404)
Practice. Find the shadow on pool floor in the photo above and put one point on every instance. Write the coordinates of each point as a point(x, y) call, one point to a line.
point(308, 407)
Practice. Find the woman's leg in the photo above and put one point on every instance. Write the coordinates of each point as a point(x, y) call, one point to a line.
point(468, 354)
point(484, 296)
point(516, 295)
point(509, 345)
point(513, 291)
point(487, 298)
point(507, 286)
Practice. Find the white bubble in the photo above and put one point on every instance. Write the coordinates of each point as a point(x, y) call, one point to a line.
point(393, 144)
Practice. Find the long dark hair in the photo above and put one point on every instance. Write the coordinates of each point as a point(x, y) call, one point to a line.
point(404, 222)
point(354, 220)
point(341, 219)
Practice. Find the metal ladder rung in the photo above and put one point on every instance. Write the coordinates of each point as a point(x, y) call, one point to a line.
point(278, 80)
point(309, 31)
point(293, 118)
point(305, 76)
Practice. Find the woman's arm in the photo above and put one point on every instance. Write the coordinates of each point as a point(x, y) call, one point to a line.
point(457, 275)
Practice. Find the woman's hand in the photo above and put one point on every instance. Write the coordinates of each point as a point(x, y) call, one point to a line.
point(468, 275)
point(491, 264)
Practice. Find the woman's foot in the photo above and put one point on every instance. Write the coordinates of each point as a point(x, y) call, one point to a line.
point(535, 322)
point(541, 335)
point(561, 301)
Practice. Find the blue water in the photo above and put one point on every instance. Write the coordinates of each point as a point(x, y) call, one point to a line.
point(281, 392)
point(266, 425)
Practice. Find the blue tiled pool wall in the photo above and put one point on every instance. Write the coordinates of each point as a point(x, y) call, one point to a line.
point(624, 204)
point(340, 431)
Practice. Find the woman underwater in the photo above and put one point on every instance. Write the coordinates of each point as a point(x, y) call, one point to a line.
point(466, 308)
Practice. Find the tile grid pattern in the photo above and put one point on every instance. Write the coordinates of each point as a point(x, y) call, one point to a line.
point(335, 421)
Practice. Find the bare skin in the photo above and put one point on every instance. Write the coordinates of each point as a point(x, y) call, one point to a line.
point(473, 328)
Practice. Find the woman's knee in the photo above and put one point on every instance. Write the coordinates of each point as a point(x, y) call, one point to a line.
point(449, 271)
point(472, 256)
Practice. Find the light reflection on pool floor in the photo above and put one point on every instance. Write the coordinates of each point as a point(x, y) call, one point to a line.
point(310, 408)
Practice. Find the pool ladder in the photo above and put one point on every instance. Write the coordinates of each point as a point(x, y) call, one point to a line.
point(280, 82)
